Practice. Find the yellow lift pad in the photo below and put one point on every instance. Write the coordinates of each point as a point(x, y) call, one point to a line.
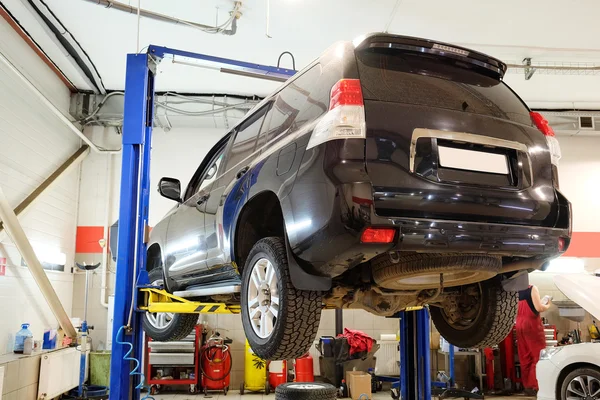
point(159, 301)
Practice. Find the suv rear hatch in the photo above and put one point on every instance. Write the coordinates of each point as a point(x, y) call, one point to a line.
point(447, 139)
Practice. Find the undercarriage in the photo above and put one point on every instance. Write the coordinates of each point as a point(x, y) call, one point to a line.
point(453, 286)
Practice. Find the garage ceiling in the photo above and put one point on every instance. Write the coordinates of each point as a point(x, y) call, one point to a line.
point(546, 31)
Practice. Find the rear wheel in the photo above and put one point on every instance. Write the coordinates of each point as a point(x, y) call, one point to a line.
point(165, 327)
point(279, 320)
point(583, 383)
point(476, 316)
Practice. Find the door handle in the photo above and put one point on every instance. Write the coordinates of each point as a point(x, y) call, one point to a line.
point(202, 199)
point(242, 171)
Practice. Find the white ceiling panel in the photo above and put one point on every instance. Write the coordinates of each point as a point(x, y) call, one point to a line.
point(548, 31)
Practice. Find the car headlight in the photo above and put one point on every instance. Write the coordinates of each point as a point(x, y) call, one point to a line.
point(547, 353)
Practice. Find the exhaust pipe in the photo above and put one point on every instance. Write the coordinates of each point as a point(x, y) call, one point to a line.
point(528, 264)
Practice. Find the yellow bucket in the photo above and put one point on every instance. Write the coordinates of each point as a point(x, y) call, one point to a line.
point(255, 373)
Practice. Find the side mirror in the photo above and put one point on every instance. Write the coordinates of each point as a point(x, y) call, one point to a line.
point(170, 188)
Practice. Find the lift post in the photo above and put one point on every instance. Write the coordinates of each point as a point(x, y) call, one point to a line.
point(134, 203)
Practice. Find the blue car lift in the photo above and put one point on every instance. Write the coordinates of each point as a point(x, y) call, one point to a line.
point(132, 277)
point(125, 370)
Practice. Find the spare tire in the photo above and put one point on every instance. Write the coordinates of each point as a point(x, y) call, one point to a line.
point(305, 391)
point(422, 270)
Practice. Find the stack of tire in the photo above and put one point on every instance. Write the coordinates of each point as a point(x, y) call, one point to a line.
point(305, 391)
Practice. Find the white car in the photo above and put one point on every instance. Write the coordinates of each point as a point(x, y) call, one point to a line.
point(573, 372)
point(569, 372)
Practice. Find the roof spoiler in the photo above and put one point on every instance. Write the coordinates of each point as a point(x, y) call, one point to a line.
point(413, 44)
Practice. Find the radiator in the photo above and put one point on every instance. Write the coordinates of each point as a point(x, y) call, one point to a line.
point(388, 358)
point(59, 372)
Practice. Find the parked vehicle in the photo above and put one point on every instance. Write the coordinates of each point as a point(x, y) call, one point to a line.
point(573, 372)
point(391, 172)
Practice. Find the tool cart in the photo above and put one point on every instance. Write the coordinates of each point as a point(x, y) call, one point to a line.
point(174, 363)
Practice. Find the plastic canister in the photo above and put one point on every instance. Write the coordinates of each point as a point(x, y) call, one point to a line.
point(304, 369)
point(28, 345)
point(20, 337)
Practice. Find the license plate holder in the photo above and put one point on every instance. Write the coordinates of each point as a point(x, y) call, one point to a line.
point(473, 160)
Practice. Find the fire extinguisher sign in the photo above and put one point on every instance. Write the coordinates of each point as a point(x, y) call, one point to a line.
point(2, 266)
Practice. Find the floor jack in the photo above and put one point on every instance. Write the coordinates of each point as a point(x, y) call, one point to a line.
point(84, 391)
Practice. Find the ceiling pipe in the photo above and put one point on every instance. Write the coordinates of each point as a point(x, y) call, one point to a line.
point(17, 234)
point(10, 19)
point(166, 18)
point(52, 107)
point(67, 42)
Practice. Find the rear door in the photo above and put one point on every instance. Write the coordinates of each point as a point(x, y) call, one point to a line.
point(228, 193)
point(447, 139)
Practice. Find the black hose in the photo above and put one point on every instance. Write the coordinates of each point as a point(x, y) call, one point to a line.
point(208, 348)
point(291, 55)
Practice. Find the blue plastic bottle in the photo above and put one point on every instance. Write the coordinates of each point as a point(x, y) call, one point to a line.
point(20, 337)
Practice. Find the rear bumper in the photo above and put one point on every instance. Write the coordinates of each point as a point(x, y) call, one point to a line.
point(459, 237)
point(336, 246)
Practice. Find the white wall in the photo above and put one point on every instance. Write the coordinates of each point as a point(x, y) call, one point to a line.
point(33, 144)
point(579, 176)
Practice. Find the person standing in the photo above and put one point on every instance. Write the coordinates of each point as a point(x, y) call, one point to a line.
point(530, 335)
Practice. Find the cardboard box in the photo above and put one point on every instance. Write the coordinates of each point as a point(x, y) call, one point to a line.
point(359, 383)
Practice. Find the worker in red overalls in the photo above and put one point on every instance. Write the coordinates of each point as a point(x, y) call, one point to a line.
point(530, 335)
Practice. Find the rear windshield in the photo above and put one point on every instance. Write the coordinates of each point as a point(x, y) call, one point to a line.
point(436, 81)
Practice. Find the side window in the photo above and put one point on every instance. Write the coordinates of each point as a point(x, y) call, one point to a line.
point(207, 176)
point(290, 101)
point(211, 174)
point(245, 138)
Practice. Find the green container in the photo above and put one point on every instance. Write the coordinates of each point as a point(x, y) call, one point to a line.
point(100, 368)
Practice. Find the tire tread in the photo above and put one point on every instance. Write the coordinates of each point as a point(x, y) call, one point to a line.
point(303, 315)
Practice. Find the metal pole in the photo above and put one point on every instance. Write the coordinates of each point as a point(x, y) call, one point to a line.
point(17, 234)
point(339, 329)
point(425, 354)
point(133, 211)
point(87, 287)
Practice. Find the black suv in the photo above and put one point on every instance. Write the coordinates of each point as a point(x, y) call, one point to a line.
point(391, 172)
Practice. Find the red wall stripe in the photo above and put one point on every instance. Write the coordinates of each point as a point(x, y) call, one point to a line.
point(584, 244)
point(88, 239)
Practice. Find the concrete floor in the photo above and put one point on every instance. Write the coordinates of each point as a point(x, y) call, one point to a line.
point(234, 395)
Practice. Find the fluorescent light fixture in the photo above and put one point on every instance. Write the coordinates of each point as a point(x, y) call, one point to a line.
point(566, 265)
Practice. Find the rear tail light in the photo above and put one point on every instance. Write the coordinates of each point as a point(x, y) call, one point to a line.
point(378, 235)
point(542, 124)
point(346, 116)
point(562, 244)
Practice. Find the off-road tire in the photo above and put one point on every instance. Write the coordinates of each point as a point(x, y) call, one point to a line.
point(305, 391)
point(180, 326)
point(299, 310)
point(493, 324)
point(475, 267)
point(578, 372)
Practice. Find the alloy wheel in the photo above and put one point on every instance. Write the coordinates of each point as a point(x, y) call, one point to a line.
point(583, 387)
point(263, 298)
